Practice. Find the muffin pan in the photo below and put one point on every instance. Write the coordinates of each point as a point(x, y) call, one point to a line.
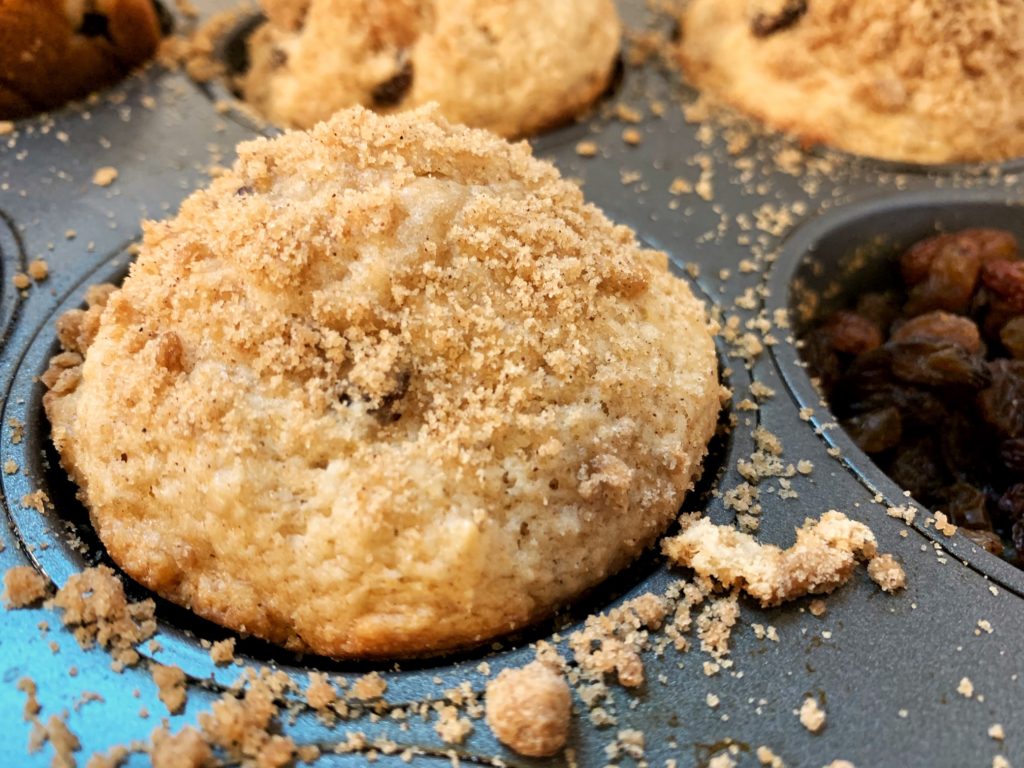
point(765, 227)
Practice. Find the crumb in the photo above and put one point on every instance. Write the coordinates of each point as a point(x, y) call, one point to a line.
point(368, 687)
point(840, 764)
point(38, 269)
point(28, 686)
point(812, 717)
point(10, 467)
point(104, 176)
point(320, 693)
point(1000, 762)
point(768, 758)
point(243, 726)
point(223, 651)
point(529, 709)
point(37, 500)
point(905, 513)
point(943, 526)
point(587, 149)
point(996, 732)
point(171, 682)
point(632, 136)
point(6, 127)
point(450, 727)
point(185, 749)
point(817, 608)
point(21, 281)
point(95, 607)
point(887, 573)
point(722, 760)
point(965, 687)
point(823, 557)
point(23, 586)
point(985, 626)
point(612, 642)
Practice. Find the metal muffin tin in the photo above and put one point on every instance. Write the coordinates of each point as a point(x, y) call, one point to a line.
point(885, 668)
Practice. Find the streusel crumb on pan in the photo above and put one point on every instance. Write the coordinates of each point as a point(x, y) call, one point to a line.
point(387, 387)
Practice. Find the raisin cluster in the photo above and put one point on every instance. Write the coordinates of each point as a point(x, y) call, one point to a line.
point(928, 379)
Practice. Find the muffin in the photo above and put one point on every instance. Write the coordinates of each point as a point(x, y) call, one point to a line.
point(926, 81)
point(53, 51)
point(387, 388)
point(512, 67)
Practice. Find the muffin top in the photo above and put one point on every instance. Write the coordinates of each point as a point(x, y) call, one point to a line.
point(386, 388)
point(925, 81)
point(512, 67)
point(52, 51)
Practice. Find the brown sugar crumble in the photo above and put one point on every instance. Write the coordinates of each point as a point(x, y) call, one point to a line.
point(24, 586)
point(223, 651)
point(822, 558)
point(38, 270)
point(812, 716)
point(529, 709)
point(368, 687)
point(95, 607)
point(887, 573)
point(105, 176)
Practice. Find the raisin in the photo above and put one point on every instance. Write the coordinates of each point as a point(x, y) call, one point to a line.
point(1011, 503)
point(391, 92)
point(1012, 336)
point(765, 24)
point(1005, 280)
point(915, 469)
point(1012, 454)
point(880, 308)
point(987, 540)
point(941, 326)
point(966, 506)
point(822, 360)
point(875, 431)
point(937, 364)
point(958, 446)
point(1002, 403)
point(987, 244)
point(95, 25)
point(852, 333)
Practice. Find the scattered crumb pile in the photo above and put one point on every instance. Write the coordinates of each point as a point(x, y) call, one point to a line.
point(875, 77)
point(54, 730)
point(94, 605)
point(529, 709)
point(822, 558)
point(23, 586)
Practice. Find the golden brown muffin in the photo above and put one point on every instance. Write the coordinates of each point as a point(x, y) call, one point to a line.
point(512, 67)
point(52, 51)
point(925, 81)
point(386, 388)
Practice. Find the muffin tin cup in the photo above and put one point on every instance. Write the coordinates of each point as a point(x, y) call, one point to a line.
point(163, 133)
point(836, 256)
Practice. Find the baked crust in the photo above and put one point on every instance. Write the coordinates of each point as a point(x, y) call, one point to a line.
point(929, 81)
point(512, 67)
point(387, 388)
point(53, 51)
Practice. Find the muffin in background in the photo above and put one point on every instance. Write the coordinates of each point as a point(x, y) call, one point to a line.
point(512, 67)
point(925, 81)
point(53, 51)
